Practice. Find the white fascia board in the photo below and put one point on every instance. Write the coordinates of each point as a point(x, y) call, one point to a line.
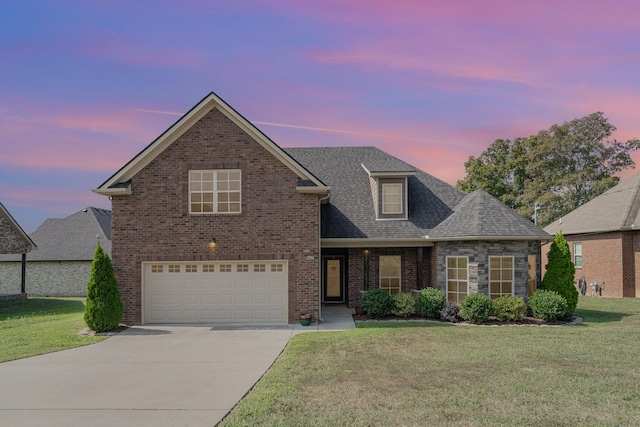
point(374, 243)
point(184, 123)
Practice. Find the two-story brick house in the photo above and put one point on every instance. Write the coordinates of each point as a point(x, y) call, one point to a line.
point(214, 222)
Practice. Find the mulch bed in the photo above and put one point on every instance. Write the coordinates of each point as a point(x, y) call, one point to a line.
point(493, 321)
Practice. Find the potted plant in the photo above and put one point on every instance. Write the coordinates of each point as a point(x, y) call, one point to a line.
point(305, 319)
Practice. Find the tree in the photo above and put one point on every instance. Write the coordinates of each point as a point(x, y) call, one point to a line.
point(560, 168)
point(104, 307)
point(560, 272)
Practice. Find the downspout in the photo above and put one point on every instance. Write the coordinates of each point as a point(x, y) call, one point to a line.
point(320, 200)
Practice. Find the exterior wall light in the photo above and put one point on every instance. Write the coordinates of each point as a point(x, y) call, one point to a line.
point(213, 243)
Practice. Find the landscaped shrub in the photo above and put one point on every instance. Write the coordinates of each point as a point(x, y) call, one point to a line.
point(377, 303)
point(547, 305)
point(405, 304)
point(509, 308)
point(104, 309)
point(450, 311)
point(476, 308)
point(429, 302)
point(560, 272)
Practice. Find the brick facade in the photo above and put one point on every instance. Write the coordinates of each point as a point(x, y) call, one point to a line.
point(409, 277)
point(277, 221)
point(609, 259)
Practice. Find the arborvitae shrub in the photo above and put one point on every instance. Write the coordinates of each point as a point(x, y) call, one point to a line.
point(509, 308)
point(560, 272)
point(429, 302)
point(450, 312)
point(547, 305)
point(476, 308)
point(405, 304)
point(377, 303)
point(104, 309)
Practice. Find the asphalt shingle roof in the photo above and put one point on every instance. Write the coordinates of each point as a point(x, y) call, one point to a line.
point(72, 238)
point(480, 214)
point(616, 209)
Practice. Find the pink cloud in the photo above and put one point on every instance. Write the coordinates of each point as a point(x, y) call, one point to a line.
point(59, 200)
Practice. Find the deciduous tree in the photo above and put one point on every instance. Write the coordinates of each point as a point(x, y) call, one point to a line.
point(560, 168)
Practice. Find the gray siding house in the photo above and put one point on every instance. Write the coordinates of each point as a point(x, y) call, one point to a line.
point(61, 264)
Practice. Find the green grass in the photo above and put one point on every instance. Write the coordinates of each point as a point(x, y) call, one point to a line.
point(33, 326)
point(458, 375)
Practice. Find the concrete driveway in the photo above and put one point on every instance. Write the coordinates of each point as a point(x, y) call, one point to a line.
point(145, 376)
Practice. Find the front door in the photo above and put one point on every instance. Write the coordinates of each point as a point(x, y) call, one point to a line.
point(333, 278)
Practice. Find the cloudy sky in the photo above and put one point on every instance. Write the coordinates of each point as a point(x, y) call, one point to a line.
point(84, 86)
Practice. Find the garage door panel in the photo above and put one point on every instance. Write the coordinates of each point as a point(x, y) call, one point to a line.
point(216, 292)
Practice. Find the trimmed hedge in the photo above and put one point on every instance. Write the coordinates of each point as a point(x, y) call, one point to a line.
point(377, 303)
point(429, 302)
point(405, 304)
point(476, 308)
point(547, 305)
point(509, 308)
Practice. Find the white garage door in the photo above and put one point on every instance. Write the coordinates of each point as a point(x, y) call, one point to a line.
point(208, 292)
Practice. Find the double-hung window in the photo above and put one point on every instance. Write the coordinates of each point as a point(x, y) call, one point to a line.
point(577, 254)
point(392, 199)
point(215, 191)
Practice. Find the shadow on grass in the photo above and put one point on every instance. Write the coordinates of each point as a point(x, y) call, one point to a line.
point(597, 316)
point(392, 324)
point(26, 307)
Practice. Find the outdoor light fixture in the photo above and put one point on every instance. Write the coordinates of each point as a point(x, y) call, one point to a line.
point(213, 243)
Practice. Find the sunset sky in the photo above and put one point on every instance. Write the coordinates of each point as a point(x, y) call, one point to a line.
point(84, 86)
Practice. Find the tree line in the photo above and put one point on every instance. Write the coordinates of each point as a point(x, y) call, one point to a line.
point(558, 169)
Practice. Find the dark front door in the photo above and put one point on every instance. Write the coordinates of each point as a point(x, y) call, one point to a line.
point(333, 271)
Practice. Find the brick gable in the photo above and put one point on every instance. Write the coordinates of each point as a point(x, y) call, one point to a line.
point(277, 222)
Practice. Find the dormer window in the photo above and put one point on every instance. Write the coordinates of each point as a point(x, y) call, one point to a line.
point(392, 199)
point(389, 188)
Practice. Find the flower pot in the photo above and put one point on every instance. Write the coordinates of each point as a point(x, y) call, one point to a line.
point(305, 319)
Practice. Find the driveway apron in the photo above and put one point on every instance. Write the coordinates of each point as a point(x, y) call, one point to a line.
point(144, 376)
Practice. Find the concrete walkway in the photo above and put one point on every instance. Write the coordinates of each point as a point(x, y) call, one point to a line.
point(147, 376)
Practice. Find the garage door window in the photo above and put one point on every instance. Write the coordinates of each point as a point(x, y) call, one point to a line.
point(225, 268)
point(242, 268)
point(174, 268)
point(276, 268)
point(215, 191)
point(209, 268)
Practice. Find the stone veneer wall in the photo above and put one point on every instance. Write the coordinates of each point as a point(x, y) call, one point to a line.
point(46, 278)
point(10, 242)
point(479, 252)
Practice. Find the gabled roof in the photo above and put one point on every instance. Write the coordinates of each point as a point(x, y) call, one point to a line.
point(616, 209)
point(481, 216)
point(73, 238)
point(119, 183)
point(13, 239)
point(350, 213)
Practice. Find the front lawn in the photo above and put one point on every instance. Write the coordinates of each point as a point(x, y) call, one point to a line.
point(33, 326)
point(459, 375)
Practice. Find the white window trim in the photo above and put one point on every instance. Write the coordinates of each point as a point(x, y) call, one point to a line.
point(447, 275)
point(575, 254)
point(215, 191)
point(402, 197)
point(399, 277)
point(513, 274)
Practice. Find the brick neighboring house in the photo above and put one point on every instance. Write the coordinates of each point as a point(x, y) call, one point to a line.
point(604, 239)
point(61, 263)
point(13, 240)
point(214, 222)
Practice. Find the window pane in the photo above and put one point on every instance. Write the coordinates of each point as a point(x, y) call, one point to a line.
point(196, 186)
point(196, 197)
point(234, 207)
point(223, 197)
point(223, 175)
point(207, 176)
point(196, 207)
point(494, 262)
point(207, 186)
point(207, 207)
point(507, 262)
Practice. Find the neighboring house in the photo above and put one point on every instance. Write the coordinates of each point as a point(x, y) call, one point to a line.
point(13, 240)
point(61, 264)
point(214, 222)
point(604, 239)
